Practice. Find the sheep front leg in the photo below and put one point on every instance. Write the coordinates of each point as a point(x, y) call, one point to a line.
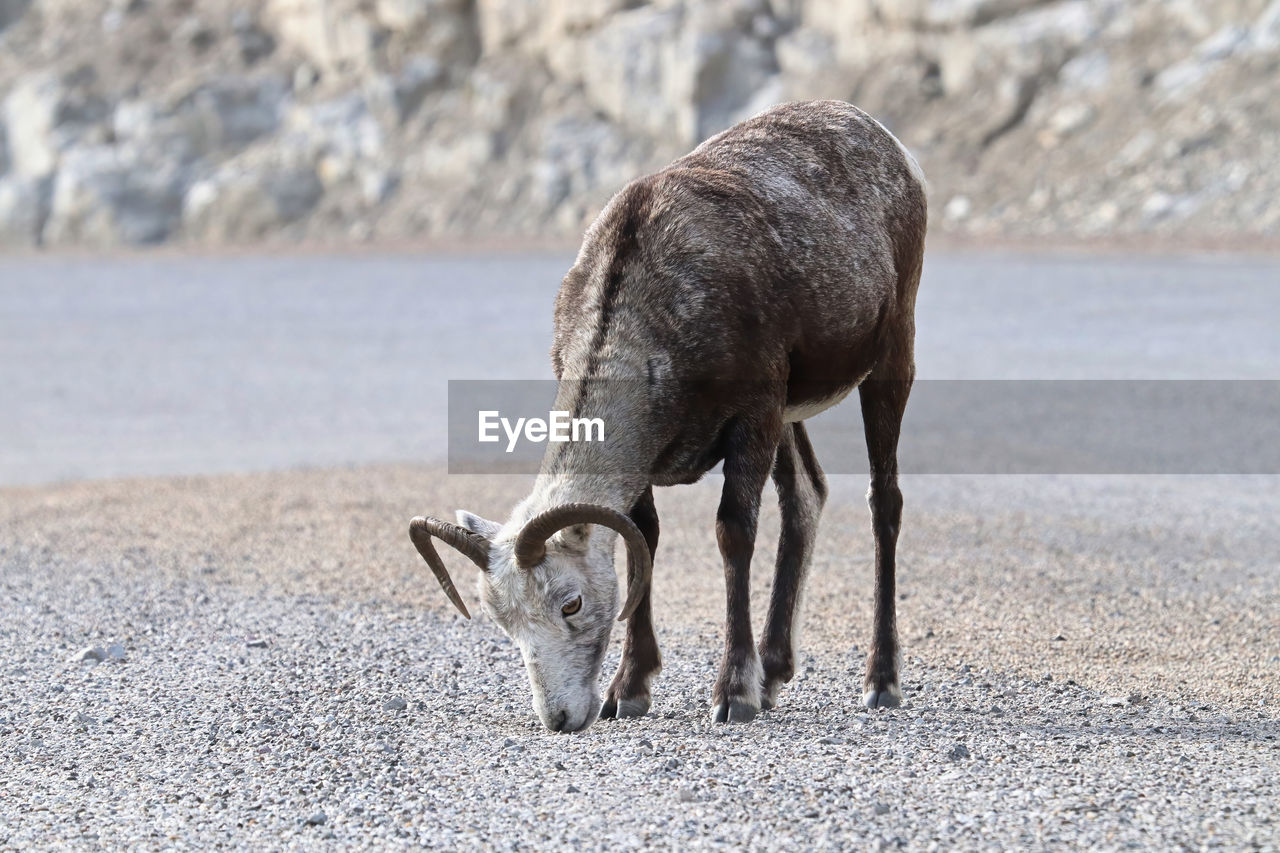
point(747, 462)
point(628, 695)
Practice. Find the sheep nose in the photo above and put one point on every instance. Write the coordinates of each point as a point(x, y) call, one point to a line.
point(561, 720)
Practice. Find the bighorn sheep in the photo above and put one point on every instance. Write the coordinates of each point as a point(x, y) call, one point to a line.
point(713, 307)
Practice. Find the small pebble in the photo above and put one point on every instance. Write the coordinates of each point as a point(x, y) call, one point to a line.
point(91, 654)
point(396, 703)
point(317, 819)
point(256, 643)
point(116, 652)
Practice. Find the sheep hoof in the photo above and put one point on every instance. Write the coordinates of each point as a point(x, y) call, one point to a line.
point(624, 709)
point(769, 698)
point(734, 712)
point(887, 697)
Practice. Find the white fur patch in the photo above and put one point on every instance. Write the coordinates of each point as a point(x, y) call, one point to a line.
point(913, 165)
point(804, 411)
point(754, 675)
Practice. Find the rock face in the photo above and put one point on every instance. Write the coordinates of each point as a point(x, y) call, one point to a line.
point(23, 208)
point(107, 195)
point(137, 123)
point(4, 150)
point(12, 10)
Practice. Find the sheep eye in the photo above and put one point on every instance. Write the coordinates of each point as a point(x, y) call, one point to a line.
point(572, 607)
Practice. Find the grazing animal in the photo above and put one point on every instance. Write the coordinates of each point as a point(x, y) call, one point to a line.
point(713, 307)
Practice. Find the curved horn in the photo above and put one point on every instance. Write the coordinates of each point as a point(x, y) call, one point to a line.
point(531, 544)
point(473, 545)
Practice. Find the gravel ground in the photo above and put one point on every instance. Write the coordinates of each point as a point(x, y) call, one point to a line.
point(1098, 668)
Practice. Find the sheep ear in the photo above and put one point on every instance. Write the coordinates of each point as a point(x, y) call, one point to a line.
point(574, 537)
point(483, 526)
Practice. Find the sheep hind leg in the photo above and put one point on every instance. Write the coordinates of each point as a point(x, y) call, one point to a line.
point(802, 492)
point(883, 404)
point(628, 694)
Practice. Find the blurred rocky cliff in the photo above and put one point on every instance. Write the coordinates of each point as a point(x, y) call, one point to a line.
point(221, 122)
